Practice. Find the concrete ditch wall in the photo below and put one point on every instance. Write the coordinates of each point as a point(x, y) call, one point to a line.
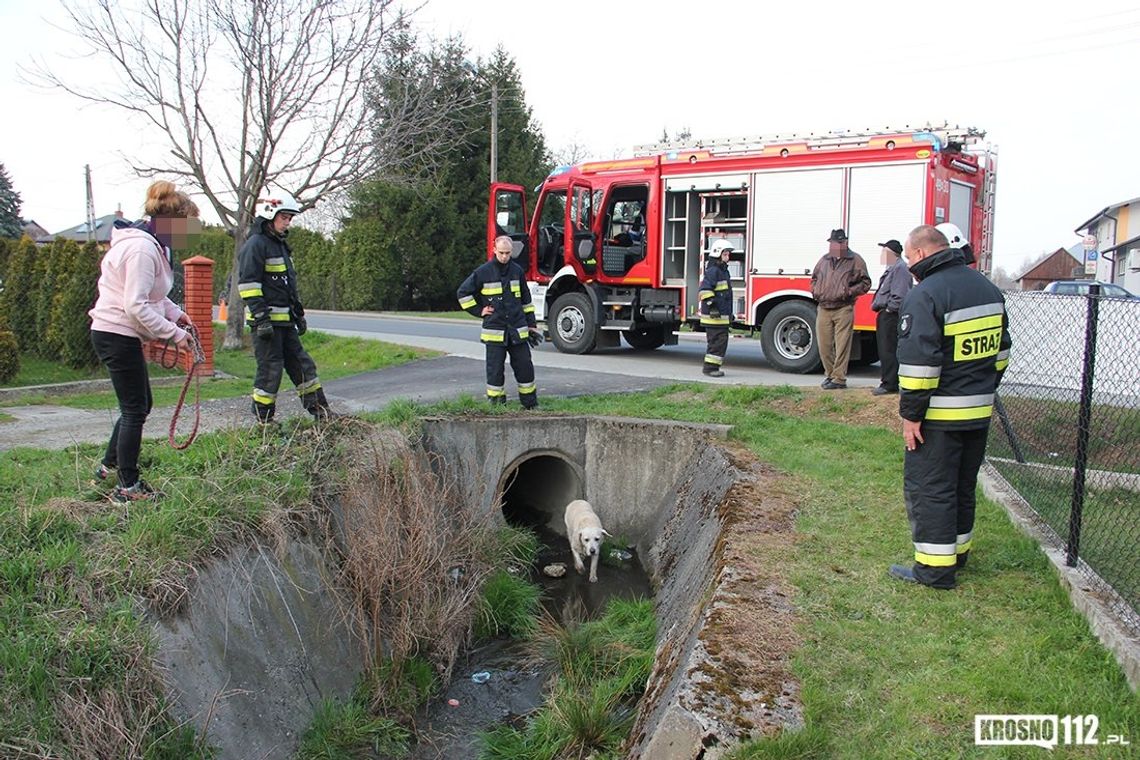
point(263, 640)
point(260, 644)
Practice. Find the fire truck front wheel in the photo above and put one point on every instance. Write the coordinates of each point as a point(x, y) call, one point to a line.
point(787, 337)
point(573, 328)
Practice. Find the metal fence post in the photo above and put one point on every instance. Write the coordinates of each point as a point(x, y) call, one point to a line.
point(1084, 416)
point(1007, 426)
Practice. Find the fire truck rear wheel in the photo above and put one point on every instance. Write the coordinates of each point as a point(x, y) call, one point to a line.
point(787, 337)
point(645, 338)
point(573, 329)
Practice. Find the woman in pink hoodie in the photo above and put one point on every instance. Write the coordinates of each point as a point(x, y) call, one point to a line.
point(132, 307)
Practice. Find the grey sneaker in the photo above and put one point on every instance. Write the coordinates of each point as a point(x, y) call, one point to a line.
point(103, 472)
point(140, 491)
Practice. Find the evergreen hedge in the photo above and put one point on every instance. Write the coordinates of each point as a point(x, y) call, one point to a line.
point(70, 326)
point(9, 356)
point(50, 262)
point(19, 287)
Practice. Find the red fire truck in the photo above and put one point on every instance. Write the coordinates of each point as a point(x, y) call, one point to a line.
point(616, 248)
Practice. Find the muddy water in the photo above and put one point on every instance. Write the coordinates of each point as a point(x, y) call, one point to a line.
point(515, 685)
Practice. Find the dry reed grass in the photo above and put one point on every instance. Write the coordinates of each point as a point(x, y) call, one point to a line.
point(415, 558)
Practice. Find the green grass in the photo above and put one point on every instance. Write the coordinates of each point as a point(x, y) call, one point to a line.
point(37, 371)
point(507, 606)
point(349, 731)
point(889, 670)
point(335, 357)
point(6, 418)
point(602, 666)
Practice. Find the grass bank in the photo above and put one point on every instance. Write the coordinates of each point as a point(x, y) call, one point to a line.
point(75, 673)
point(887, 670)
point(335, 357)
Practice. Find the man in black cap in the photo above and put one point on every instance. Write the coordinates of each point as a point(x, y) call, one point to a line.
point(838, 279)
point(893, 287)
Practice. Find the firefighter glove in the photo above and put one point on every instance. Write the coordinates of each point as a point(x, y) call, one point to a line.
point(263, 329)
point(302, 326)
point(535, 339)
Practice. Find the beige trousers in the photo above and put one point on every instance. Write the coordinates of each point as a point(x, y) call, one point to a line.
point(833, 329)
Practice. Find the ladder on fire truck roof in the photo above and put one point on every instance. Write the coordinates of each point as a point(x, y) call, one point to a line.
point(945, 133)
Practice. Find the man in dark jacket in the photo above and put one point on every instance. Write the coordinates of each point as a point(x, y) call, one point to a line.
point(715, 295)
point(893, 287)
point(953, 348)
point(267, 283)
point(838, 279)
point(497, 292)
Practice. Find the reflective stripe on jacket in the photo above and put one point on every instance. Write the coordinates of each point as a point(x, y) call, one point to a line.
point(716, 291)
point(504, 289)
point(953, 344)
point(267, 281)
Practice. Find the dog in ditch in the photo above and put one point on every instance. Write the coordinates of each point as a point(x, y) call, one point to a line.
point(585, 532)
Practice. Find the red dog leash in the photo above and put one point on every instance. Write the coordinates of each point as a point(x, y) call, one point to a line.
point(191, 374)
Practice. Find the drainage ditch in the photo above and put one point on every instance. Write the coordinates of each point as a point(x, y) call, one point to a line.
point(261, 642)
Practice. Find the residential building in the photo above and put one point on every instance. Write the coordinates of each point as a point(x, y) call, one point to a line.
point(1061, 264)
point(1116, 230)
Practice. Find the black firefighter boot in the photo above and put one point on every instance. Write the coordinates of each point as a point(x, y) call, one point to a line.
point(264, 413)
point(317, 405)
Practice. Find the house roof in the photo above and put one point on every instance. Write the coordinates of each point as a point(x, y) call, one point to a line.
point(78, 233)
point(1039, 262)
point(1103, 212)
point(1118, 246)
point(33, 230)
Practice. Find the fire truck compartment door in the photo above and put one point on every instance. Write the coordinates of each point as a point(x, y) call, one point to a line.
point(794, 212)
point(961, 204)
point(707, 184)
point(506, 215)
point(886, 203)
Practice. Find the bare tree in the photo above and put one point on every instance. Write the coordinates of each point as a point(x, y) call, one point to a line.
point(573, 153)
point(250, 94)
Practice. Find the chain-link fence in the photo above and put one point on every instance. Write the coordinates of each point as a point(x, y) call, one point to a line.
point(1067, 437)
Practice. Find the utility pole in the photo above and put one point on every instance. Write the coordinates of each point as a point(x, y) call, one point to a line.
point(494, 131)
point(90, 205)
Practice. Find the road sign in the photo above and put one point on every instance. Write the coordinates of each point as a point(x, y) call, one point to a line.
point(1089, 242)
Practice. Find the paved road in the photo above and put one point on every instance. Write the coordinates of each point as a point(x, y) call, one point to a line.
point(460, 371)
point(744, 365)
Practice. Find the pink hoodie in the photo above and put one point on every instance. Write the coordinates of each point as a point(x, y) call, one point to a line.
point(134, 278)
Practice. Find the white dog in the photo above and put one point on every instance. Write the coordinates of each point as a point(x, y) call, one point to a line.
point(585, 532)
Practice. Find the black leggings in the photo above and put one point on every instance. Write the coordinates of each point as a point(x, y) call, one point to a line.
point(124, 359)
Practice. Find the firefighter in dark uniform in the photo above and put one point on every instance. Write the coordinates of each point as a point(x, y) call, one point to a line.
point(715, 295)
point(953, 348)
point(497, 292)
point(267, 283)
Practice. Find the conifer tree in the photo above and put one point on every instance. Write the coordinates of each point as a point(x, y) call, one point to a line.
point(49, 263)
point(70, 331)
point(11, 226)
point(19, 287)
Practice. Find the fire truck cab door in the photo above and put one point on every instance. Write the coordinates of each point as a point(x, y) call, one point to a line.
point(506, 215)
point(580, 239)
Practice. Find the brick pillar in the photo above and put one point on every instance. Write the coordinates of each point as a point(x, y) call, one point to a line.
point(199, 305)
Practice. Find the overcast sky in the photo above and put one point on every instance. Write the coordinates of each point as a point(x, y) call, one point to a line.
point(1055, 84)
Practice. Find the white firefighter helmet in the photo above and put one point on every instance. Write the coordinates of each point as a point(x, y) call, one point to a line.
point(719, 247)
point(953, 235)
point(272, 202)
